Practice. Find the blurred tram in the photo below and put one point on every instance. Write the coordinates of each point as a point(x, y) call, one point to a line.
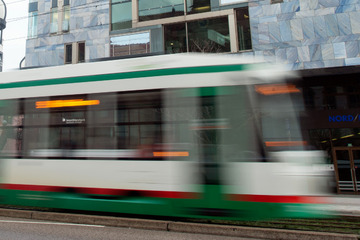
point(174, 135)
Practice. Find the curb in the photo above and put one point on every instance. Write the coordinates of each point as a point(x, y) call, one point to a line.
point(162, 225)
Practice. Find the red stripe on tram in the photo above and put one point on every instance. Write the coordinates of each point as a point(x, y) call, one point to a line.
point(276, 198)
point(103, 191)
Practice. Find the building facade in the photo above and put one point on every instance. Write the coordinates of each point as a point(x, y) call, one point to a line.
point(63, 31)
point(319, 38)
point(2, 27)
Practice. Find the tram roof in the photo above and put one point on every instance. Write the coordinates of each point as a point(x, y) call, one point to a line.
point(170, 61)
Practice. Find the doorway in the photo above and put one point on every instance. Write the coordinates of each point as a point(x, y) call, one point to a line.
point(347, 169)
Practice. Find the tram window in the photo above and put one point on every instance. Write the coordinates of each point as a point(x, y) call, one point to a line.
point(122, 116)
point(11, 131)
point(278, 114)
point(134, 115)
point(100, 138)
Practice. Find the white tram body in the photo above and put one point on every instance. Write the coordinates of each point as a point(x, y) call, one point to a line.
point(178, 135)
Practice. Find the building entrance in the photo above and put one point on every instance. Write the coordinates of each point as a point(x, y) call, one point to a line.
point(347, 169)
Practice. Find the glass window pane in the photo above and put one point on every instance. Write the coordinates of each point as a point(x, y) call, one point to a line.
point(156, 9)
point(54, 3)
point(33, 7)
point(32, 25)
point(54, 20)
point(68, 53)
point(243, 24)
point(11, 128)
point(66, 19)
point(209, 35)
point(175, 38)
point(132, 44)
point(198, 6)
point(121, 17)
point(81, 52)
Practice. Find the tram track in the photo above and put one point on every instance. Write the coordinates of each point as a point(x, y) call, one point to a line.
point(345, 225)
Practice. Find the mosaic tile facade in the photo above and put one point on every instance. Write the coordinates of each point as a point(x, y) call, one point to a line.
point(307, 34)
point(304, 34)
point(89, 22)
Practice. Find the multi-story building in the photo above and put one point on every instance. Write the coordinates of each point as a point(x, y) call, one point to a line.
point(63, 31)
point(320, 38)
point(2, 27)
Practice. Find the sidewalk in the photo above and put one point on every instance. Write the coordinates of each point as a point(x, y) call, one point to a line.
point(163, 225)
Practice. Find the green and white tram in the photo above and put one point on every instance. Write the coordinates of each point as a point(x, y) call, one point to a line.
point(174, 135)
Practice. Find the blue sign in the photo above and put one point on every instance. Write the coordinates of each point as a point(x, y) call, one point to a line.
point(343, 118)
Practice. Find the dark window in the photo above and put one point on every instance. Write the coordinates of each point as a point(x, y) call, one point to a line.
point(175, 38)
point(81, 52)
point(243, 25)
point(197, 6)
point(209, 35)
point(68, 53)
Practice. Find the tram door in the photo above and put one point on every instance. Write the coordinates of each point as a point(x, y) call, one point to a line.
point(347, 166)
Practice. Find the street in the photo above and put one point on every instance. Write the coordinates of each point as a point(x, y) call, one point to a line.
point(26, 229)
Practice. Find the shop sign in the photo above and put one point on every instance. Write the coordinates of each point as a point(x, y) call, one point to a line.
point(343, 118)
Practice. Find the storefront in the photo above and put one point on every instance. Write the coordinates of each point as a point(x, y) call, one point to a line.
point(332, 120)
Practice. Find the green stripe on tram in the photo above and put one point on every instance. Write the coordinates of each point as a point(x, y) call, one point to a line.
point(206, 91)
point(130, 75)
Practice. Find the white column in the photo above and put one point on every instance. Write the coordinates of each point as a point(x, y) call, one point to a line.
point(234, 46)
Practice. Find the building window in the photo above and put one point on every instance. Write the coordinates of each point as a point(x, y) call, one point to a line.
point(33, 18)
point(81, 52)
point(208, 35)
point(197, 6)
point(130, 44)
point(68, 53)
point(59, 17)
point(0, 36)
point(175, 38)
point(74, 52)
point(157, 9)
point(54, 16)
point(66, 16)
point(243, 27)
point(121, 17)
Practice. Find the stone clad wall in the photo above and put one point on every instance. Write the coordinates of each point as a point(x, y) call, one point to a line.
point(89, 22)
point(307, 34)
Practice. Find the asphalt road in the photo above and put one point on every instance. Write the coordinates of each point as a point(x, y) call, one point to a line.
point(28, 229)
